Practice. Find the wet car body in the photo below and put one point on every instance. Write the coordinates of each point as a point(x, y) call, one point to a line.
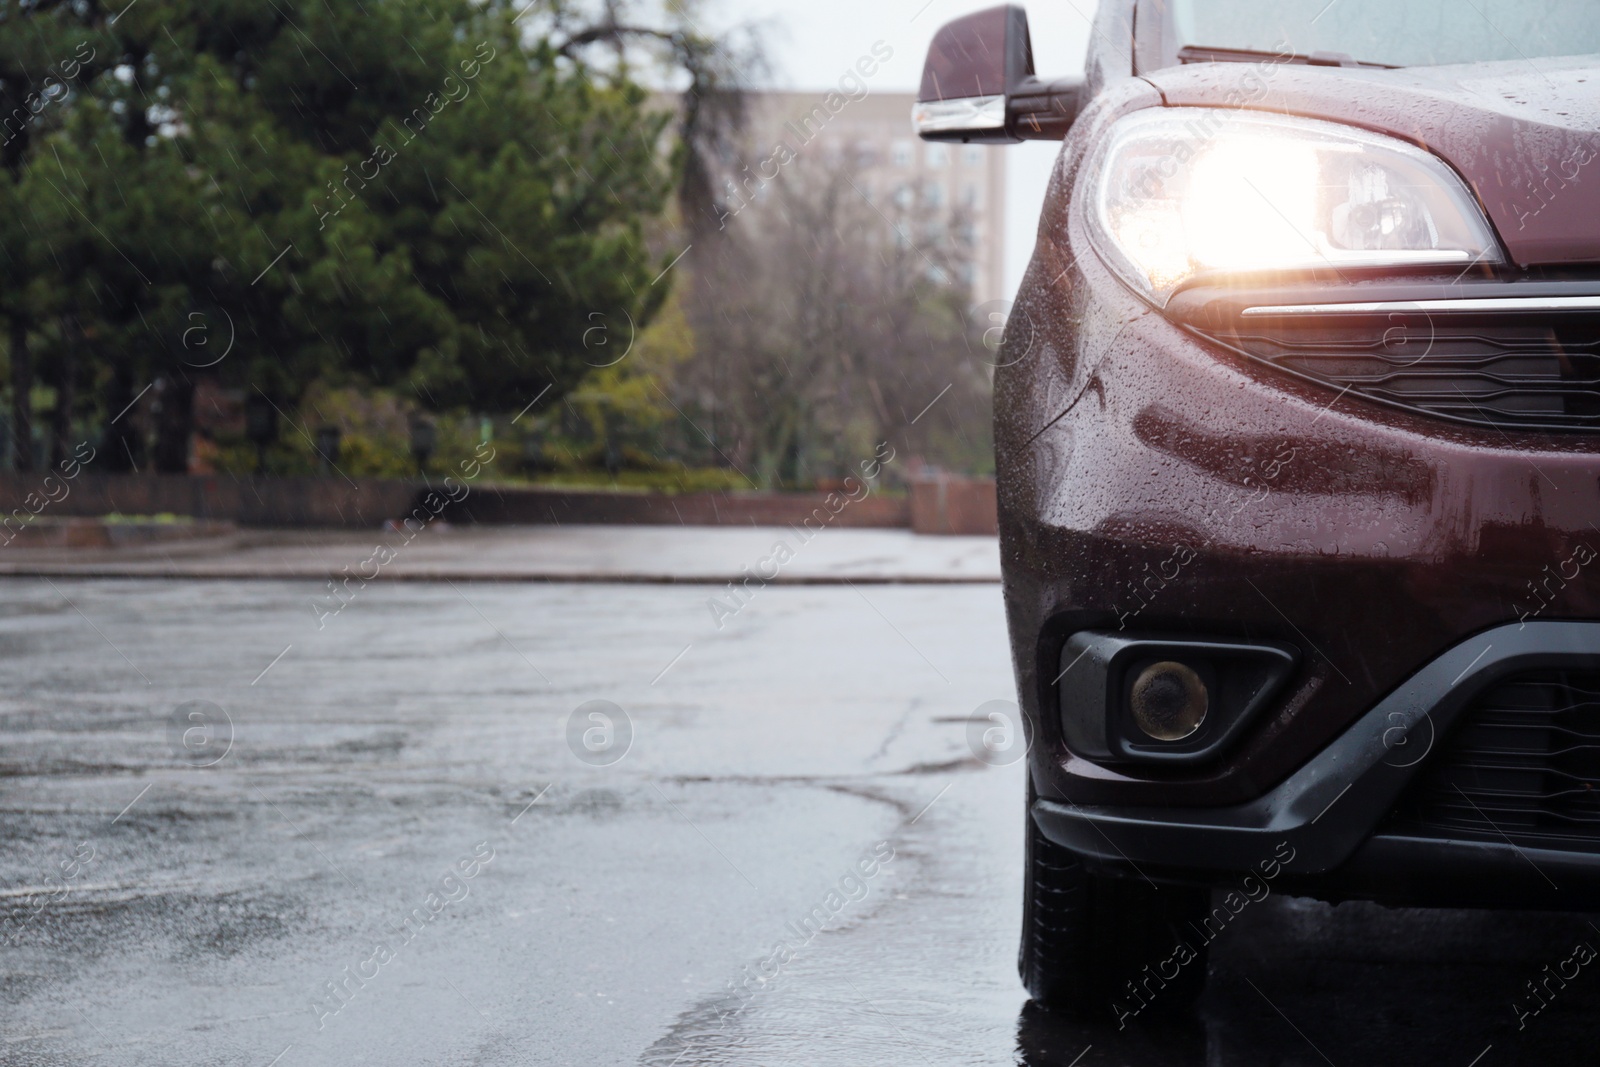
point(1389, 474)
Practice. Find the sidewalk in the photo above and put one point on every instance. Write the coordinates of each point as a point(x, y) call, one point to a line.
point(655, 554)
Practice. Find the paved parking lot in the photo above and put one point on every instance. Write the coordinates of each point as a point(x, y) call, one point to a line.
point(231, 837)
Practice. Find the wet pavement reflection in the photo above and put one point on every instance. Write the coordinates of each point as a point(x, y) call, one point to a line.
point(1305, 983)
point(796, 860)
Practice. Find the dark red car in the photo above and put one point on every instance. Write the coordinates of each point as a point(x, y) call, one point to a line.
point(1298, 439)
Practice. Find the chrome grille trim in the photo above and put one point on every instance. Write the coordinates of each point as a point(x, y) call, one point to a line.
point(1536, 367)
point(1463, 305)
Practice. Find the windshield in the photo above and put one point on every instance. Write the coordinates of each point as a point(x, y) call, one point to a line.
point(1408, 33)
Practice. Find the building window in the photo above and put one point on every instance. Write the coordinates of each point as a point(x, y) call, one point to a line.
point(901, 153)
point(937, 155)
point(972, 155)
point(903, 196)
point(934, 194)
point(972, 196)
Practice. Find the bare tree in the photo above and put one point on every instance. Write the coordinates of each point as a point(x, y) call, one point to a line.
point(715, 73)
point(825, 323)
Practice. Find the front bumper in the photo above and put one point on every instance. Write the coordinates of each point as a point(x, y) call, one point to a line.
point(1158, 474)
point(1331, 812)
point(1151, 480)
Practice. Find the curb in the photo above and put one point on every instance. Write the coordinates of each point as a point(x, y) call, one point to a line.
point(526, 578)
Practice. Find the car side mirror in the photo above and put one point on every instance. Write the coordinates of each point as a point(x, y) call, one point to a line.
point(978, 84)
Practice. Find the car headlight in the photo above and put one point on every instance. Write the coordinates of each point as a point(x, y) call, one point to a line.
point(1185, 192)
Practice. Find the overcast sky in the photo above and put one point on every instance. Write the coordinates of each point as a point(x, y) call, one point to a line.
point(812, 42)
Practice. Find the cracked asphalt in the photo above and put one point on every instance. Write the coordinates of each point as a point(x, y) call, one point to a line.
point(579, 824)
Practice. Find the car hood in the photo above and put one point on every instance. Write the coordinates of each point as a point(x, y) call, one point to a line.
point(1526, 137)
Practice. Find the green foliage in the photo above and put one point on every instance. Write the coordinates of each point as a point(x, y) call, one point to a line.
point(673, 479)
point(162, 518)
point(632, 373)
point(397, 193)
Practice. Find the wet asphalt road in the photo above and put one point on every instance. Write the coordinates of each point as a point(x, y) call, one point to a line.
point(214, 815)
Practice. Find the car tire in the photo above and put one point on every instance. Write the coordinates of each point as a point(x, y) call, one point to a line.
point(1086, 937)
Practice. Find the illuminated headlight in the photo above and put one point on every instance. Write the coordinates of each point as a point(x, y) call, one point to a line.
point(1185, 192)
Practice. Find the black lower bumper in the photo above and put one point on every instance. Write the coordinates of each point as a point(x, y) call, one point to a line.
point(1329, 813)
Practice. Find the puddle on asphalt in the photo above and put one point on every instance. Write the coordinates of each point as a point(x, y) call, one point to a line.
point(927, 976)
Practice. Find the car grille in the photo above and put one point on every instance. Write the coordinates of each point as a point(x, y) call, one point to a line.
point(1506, 370)
point(1523, 763)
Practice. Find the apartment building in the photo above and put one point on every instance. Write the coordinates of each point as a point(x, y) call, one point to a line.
point(891, 166)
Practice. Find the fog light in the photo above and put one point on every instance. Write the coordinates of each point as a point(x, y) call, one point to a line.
point(1169, 701)
point(1154, 699)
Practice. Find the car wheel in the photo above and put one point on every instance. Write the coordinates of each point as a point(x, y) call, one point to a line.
point(1085, 938)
